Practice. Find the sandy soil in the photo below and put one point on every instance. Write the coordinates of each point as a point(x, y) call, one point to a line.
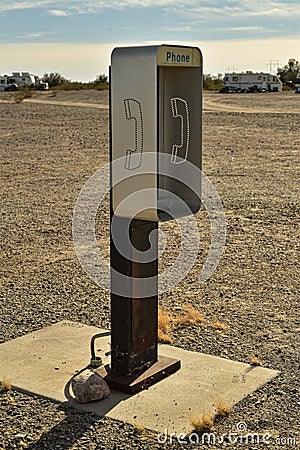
point(251, 154)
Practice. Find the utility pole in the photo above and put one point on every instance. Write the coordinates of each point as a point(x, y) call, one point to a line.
point(273, 63)
point(230, 69)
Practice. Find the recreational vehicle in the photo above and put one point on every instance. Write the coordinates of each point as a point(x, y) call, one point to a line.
point(297, 85)
point(251, 82)
point(17, 79)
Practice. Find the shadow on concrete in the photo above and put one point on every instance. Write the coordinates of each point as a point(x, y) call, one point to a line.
point(80, 419)
point(101, 407)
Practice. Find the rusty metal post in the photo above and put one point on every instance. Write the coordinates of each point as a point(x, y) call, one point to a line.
point(133, 320)
point(135, 363)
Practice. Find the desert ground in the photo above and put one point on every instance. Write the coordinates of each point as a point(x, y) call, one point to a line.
point(50, 145)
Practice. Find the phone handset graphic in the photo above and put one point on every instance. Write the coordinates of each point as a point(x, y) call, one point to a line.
point(180, 109)
point(133, 111)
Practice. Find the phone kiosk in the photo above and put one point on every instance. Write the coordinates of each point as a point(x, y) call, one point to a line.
point(155, 126)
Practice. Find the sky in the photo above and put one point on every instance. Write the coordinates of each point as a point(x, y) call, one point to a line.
point(76, 38)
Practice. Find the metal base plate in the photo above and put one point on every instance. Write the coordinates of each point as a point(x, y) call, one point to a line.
point(131, 385)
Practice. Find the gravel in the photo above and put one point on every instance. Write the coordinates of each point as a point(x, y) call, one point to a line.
point(48, 152)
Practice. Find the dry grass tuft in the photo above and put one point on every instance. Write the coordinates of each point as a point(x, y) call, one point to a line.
point(222, 408)
point(254, 361)
point(219, 325)
point(164, 326)
point(202, 424)
point(167, 322)
point(191, 316)
point(6, 384)
point(164, 321)
point(139, 428)
point(205, 423)
point(19, 97)
point(163, 337)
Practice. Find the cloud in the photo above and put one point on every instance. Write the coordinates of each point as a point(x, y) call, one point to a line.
point(7, 5)
point(242, 9)
point(58, 13)
point(162, 19)
point(86, 7)
point(250, 28)
point(253, 8)
point(179, 27)
point(30, 36)
point(258, 8)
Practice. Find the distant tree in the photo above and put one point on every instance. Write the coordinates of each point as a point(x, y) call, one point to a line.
point(212, 82)
point(102, 78)
point(289, 72)
point(53, 79)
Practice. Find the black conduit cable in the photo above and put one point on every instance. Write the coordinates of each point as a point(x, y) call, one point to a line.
point(96, 361)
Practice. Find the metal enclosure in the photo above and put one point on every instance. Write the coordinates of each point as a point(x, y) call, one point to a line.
point(156, 128)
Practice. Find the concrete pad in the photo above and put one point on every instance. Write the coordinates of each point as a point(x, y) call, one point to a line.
point(43, 363)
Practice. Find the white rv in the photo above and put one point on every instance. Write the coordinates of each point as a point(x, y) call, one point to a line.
point(4, 84)
point(17, 79)
point(251, 82)
point(297, 85)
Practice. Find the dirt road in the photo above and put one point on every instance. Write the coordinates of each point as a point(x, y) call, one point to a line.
point(247, 103)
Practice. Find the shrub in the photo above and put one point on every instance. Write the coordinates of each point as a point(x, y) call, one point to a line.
point(6, 384)
point(212, 82)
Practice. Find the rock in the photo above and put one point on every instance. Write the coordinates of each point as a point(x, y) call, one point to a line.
point(88, 386)
point(21, 435)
